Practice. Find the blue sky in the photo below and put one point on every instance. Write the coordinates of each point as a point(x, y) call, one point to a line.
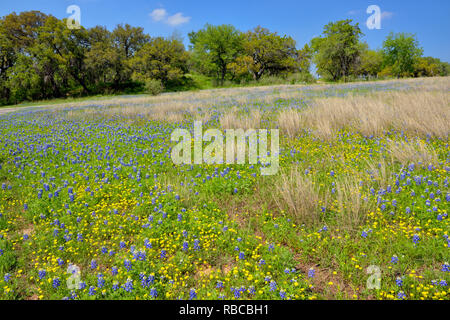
point(302, 20)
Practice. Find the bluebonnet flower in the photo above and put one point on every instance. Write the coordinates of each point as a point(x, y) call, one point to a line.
point(394, 259)
point(273, 285)
point(100, 281)
point(196, 244)
point(252, 290)
point(128, 287)
point(56, 283)
point(311, 273)
point(192, 294)
point(401, 295)
point(241, 255)
point(153, 293)
point(93, 264)
point(7, 277)
point(92, 291)
point(41, 274)
point(283, 294)
point(446, 267)
point(127, 264)
point(236, 292)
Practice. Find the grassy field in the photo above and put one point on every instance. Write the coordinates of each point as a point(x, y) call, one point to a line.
point(361, 197)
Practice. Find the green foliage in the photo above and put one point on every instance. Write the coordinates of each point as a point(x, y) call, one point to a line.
point(153, 86)
point(431, 67)
point(214, 47)
point(401, 52)
point(40, 58)
point(165, 60)
point(267, 52)
point(337, 52)
point(370, 64)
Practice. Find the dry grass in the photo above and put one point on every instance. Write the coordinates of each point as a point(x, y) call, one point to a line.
point(418, 113)
point(297, 195)
point(289, 122)
point(381, 171)
point(421, 112)
point(232, 120)
point(412, 152)
point(353, 209)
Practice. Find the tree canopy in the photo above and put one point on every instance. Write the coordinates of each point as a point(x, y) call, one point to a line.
point(401, 53)
point(41, 58)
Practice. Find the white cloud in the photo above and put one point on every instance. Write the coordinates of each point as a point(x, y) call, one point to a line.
point(161, 15)
point(158, 14)
point(386, 15)
point(177, 19)
point(353, 12)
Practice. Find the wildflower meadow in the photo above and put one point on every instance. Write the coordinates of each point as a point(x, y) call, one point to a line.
point(92, 205)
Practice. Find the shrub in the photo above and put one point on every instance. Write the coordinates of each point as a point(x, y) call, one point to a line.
point(153, 86)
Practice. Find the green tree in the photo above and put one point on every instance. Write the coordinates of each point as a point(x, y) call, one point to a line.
point(102, 56)
point(17, 33)
point(371, 62)
point(161, 59)
point(269, 53)
point(338, 50)
point(66, 48)
point(126, 40)
point(214, 48)
point(432, 67)
point(401, 52)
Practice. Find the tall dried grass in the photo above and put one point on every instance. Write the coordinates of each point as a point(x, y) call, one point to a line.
point(233, 120)
point(419, 113)
point(296, 194)
point(353, 209)
point(412, 152)
point(289, 122)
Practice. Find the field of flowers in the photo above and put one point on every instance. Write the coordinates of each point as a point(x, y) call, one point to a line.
point(92, 206)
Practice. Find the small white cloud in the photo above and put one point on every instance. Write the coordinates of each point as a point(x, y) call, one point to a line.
point(386, 15)
point(353, 12)
point(177, 19)
point(158, 14)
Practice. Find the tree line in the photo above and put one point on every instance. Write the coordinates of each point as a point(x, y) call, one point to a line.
point(41, 58)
